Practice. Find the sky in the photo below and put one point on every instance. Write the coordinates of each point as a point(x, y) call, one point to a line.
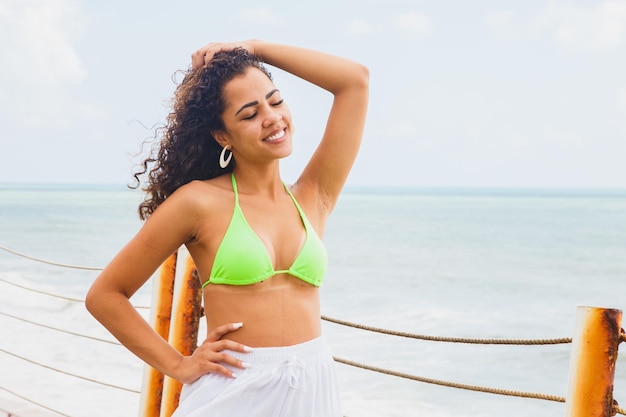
point(463, 94)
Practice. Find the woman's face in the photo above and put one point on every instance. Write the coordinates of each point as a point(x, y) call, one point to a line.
point(257, 123)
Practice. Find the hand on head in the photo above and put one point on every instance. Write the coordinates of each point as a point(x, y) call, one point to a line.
point(204, 55)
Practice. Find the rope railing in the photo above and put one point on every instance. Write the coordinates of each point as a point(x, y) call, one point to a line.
point(98, 339)
point(31, 401)
point(69, 373)
point(453, 384)
point(521, 394)
point(49, 294)
point(28, 400)
point(32, 258)
point(62, 297)
point(448, 339)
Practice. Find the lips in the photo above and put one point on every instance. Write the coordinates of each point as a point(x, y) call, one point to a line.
point(275, 136)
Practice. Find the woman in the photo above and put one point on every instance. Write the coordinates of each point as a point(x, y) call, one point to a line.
point(215, 187)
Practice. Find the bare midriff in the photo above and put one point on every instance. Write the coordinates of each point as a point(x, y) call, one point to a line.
point(280, 311)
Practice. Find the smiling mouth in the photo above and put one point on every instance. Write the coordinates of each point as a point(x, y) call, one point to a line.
point(275, 136)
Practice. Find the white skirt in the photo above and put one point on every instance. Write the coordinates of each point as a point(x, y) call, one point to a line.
point(290, 381)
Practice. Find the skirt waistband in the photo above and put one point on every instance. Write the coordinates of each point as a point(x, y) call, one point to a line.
point(310, 351)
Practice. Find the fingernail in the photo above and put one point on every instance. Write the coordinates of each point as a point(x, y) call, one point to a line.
point(245, 365)
point(247, 348)
point(234, 375)
point(237, 325)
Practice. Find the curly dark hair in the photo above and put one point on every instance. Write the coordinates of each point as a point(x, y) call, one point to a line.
point(187, 151)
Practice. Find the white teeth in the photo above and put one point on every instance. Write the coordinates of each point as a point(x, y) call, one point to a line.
point(276, 136)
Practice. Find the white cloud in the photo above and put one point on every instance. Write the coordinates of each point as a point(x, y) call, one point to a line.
point(414, 24)
point(573, 28)
point(586, 28)
point(39, 39)
point(261, 15)
point(40, 62)
point(359, 27)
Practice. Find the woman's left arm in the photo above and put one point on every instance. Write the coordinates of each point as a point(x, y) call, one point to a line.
point(348, 81)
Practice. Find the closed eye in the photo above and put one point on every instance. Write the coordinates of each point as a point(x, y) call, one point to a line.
point(253, 115)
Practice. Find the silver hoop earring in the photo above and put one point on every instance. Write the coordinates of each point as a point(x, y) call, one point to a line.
point(225, 161)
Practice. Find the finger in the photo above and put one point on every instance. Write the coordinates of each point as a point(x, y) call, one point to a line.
point(227, 344)
point(218, 352)
point(202, 56)
point(197, 59)
point(220, 362)
point(211, 49)
point(220, 331)
point(225, 358)
point(220, 369)
point(212, 350)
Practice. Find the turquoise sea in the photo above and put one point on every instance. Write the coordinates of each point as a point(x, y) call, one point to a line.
point(475, 263)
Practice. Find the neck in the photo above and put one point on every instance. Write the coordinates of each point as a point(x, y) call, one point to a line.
point(265, 182)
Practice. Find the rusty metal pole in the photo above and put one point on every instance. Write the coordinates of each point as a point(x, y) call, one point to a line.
point(160, 312)
point(183, 335)
point(592, 362)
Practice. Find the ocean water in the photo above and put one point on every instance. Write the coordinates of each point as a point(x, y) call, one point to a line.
point(482, 263)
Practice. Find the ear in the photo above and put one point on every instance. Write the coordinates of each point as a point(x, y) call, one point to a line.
point(221, 137)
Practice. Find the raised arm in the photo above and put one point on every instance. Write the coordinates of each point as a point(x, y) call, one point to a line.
point(328, 169)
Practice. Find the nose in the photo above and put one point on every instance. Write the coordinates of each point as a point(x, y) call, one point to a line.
point(272, 118)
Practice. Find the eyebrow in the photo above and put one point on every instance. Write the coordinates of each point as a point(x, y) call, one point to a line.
point(255, 102)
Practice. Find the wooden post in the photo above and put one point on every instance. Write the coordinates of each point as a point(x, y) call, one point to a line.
point(183, 335)
point(160, 313)
point(592, 362)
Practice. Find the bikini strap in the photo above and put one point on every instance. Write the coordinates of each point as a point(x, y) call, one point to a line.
point(232, 176)
point(295, 202)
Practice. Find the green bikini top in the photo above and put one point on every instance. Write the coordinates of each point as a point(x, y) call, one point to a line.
point(242, 258)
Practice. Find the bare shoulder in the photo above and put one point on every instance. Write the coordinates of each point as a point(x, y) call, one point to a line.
point(194, 207)
point(203, 196)
point(191, 202)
